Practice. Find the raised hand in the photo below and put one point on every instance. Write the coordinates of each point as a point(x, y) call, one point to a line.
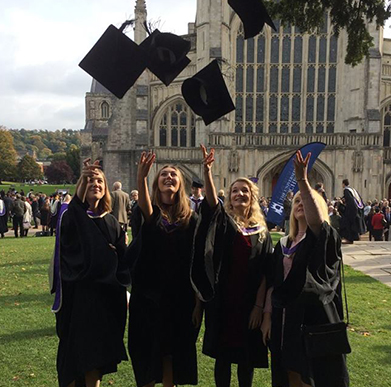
point(88, 171)
point(145, 164)
point(301, 166)
point(208, 158)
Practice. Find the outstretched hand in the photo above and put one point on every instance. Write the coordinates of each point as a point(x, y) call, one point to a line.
point(301, 166)
point(208, 158)
point(145, 164)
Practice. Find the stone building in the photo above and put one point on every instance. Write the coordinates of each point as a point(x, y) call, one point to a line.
point(289, 89)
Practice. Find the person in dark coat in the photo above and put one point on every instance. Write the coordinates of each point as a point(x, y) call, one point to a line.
point(89, 280)
point(352, 221)
point(232, 249)
point(55, 206)
point(164, 314)
point(3, 217)
point(306, 283)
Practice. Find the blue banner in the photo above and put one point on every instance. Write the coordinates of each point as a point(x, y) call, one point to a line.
point(287, 182)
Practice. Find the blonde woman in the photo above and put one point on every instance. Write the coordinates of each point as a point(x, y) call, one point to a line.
point(305, 278)
point(228, 271)
point(164, 315)
point(90, 278)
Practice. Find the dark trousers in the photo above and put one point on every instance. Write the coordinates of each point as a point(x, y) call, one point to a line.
point(223, 374)
point(378, 234)
point(17, 222)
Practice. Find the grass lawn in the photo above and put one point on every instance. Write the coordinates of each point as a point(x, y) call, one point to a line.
point(28, 342)
point(47, 189)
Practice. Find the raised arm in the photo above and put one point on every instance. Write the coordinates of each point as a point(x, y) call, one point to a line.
point(88, 171)
point(210, 190)
point(144, 200)
point(312, 212)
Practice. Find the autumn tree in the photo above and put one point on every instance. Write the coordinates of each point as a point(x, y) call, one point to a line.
point(351, 15)
point(59, 172)
point(28, 169)
point(73, 160)
point(7, 155)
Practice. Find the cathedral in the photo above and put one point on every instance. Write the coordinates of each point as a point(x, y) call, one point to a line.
point(289, 89)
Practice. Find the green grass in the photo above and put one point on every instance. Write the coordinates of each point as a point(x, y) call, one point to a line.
point(28, 342)
point(47, 189)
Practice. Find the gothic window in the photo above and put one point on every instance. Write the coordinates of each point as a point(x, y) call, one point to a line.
point(284, 108)
point(177, 126)
point(311, 79)
point(296, 108)
point(286, 49)
point(297, 80)
point(275, 49)
point(320, 108)
point(298, 54)
point(105, 110)
point(274, 79)
point(321, 79)
point(273, 108)
point(387, 126)
point(249, 108)
point(285, 79)
point(312, 49)
point(239, 79)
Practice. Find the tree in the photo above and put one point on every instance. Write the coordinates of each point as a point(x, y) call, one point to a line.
point(352, 15)
point(7, 155)
point(59, 172)
point(28, 169)
point(73, 159)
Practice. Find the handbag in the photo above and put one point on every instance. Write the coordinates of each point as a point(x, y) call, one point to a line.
point(328, 339)
point(26, 225)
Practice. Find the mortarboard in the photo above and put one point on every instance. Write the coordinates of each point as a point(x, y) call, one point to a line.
point(115, 61)
point(207, 94)
point(166, 55)
point(197, 183)
point(253, 15)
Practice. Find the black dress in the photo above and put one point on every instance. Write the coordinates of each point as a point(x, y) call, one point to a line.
point(92, 319)
point(227, 270)
point(314, 280)
point(162, 301)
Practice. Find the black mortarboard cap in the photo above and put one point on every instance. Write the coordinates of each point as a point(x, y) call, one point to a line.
point(166, 55)
point(115, 61)
point(253, 15)
point(197, 183)
point(207, 94)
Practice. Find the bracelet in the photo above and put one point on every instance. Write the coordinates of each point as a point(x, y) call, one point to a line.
point(301, 179)
point(258, 306)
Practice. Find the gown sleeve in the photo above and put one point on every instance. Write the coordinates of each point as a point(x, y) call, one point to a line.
point(209, 240)
point(85, 252)
point(315, 274)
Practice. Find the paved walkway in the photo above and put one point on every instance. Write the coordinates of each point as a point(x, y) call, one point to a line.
point(371, 258)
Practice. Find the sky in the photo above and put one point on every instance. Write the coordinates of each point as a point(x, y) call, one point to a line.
point(42, 43)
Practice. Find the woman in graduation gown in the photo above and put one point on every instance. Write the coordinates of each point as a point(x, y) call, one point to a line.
point(90, 276)
point(232, 248)
point(164, 316)
point(305, 278)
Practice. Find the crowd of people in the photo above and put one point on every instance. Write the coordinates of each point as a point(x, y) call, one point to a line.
point(209, 256)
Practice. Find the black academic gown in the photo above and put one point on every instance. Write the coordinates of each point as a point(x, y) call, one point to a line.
point(214, 246)
point(162, 301)
point(314, 279)
point(92, 319)
point(352, 223)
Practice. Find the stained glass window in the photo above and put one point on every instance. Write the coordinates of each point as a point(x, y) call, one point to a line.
point(272, 128)
point(311, 79)
point(321, 79)
point(239, 108)
point(183, 137)
point(259, 108)
point(105, 110)
point(309, 128)
point(249, 108)
point(250, 50)
point(238, 128)
point(284, 128)
point(174, 119)
point(319, 128)
point(239, 49)
point(332, 79)
point(174, 137)
point(285, 76)
point(333, 49)
point(331, 108)
point(275, 48)
point(260, 79)
point(250, 80)
point(296, 128)
point(249, 128)
point(330, 128)
point(310, 108)
point(259, 128)
point(163, 136)
point(193, 136)
point(320, 108)
point(239, 79)
point(261, 49)
point(296, 107)
point(298, 53)
point(322, 49)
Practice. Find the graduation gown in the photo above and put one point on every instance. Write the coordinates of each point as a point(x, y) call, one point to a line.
point(352, 223)
point(227, 275)
point(162, 300)
point(3, 217)
point(314, 280)
point(91, 321)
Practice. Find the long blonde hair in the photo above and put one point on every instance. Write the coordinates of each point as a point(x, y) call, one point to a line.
point(104, 204)
point(321, 204)
point(180, 211)
point(254, 215)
